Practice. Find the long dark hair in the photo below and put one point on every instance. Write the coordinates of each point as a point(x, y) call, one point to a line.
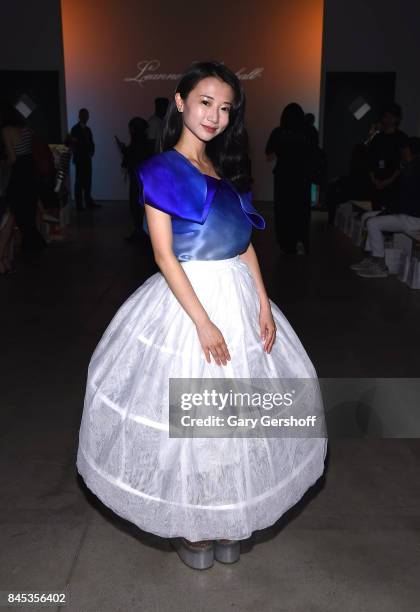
point(228, 150)
point(292, 118)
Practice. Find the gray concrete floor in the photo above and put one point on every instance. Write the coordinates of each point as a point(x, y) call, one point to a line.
point(351, 544)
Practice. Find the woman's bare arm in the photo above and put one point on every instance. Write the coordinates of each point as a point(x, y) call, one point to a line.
point(250, 258)
point(267, 325)
point(160, 231)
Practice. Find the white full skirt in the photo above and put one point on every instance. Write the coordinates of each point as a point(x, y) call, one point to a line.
point(197, 488)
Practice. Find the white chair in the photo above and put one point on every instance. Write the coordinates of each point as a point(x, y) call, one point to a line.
point(409, 265)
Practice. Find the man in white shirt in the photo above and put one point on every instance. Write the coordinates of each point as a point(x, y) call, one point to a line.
point(406, 217)
point(155, 123)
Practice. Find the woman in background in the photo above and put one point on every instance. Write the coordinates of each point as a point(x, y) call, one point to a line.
point(22, 189)
point(293, 173)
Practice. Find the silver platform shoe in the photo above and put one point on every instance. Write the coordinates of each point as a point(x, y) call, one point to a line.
point(227, 553)
point(198, 558)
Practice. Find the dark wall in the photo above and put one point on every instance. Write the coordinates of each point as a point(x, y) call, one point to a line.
point(373, 36)
point(359, 35)
point(31, 39)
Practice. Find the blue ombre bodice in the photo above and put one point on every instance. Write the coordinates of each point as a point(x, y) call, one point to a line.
point(225, 233)
point(210, 218)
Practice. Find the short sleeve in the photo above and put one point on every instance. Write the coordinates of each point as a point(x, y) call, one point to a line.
point(155, 185)
point(170, 186)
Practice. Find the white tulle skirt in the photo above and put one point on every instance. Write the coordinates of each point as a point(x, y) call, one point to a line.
point(197, 488)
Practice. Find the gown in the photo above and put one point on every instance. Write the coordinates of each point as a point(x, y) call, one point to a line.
point(193, 487)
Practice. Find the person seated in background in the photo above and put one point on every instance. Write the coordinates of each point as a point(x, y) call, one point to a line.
point(356, 185)
point(406, 217)
point(384, 154)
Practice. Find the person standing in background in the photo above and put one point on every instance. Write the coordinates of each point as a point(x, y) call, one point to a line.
point(132, 155)
point(22, 186)
point(293, 172)
point(83, 151)
point(155, 123)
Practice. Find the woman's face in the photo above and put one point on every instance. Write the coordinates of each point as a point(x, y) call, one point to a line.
point(205, 111)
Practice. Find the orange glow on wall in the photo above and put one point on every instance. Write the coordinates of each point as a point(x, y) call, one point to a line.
point(105, 39)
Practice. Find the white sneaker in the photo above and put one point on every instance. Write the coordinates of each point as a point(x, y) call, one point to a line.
point(360, 265)
point(374, 270)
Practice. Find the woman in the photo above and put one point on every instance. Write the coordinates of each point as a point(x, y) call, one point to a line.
point(206, 315)
point(293, 171)
point(22, 189)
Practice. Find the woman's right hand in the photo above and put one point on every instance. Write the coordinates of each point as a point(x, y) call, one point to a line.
point(213, 342)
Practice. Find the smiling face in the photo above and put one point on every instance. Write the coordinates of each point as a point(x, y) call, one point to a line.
point(206, 109)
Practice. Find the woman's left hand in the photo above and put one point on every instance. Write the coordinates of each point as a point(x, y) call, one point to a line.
point(267, 327)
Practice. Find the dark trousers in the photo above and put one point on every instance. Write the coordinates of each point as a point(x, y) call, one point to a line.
point(83, 182)
point(386, 198)
point(22, 195)
point(292, 214)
